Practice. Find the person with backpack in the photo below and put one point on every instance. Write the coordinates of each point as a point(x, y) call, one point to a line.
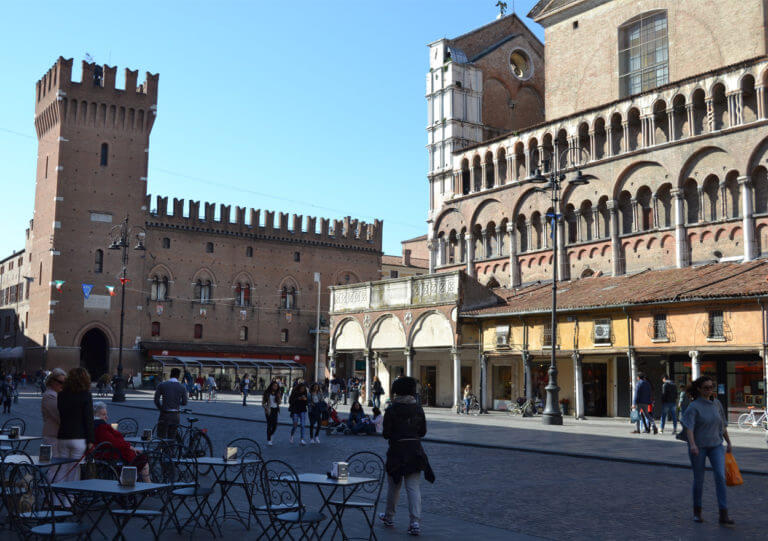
point(668, 403)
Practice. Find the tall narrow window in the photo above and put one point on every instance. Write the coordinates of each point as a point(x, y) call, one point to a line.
point(247, 295)
point(284, 335)
point(153, 290)
point(155, 328)
point(166, 243)
point(104, 154)
point(297, 256)
point(248, 251)
point(162, 289)
point(198, 330)
point(238, 293)
point(209, 247)
point(643, 54)
point(98, 264)
point(716, 325)
point(243, 333)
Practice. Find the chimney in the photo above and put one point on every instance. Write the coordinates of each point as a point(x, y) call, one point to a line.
point(407, 257)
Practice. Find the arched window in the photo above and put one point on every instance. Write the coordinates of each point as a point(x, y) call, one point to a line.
point(104, 154)
point(248, 251)
point(166, 243)
point(288, 297)
point(198, 330)
point(283, 297)
point(98, 264)
point(208, 247)
point(155, 328)
point(238, 298)
point(203, 291)
point(162, 289)
point(243, 333)
point(153, 290)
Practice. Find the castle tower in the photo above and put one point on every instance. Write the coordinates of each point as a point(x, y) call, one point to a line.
point(93, 143)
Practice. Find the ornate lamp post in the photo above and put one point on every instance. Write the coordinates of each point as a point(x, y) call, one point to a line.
point(120, 235)
point(553, 185)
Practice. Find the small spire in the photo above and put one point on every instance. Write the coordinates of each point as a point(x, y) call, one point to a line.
point(503, 8)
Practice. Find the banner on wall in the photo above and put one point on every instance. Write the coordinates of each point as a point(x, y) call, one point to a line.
point(87, 288)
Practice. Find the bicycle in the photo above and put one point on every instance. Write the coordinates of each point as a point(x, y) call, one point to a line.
point(194, 441)
point(748, 421)
point(515, 408)
point(474, 407)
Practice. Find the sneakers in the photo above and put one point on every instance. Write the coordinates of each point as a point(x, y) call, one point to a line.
point(655, 430)
point(414, 529)
point(386, 521)
point(303, 442)
point(291, 438)
point(317, 439)
point(269, 442)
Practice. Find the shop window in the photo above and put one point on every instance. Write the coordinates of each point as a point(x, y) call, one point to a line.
point(602, 331)
point(98, 264)
point(716, 330)
point(660, 327)
point(166, 243)
point(502, 384)
point(243, 333)
point(155, 328)
point(284, 335)
point(249, 251)
point(208, 247)
point(198, 330)
point(643, 54)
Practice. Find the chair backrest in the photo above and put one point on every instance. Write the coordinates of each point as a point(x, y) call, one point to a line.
point(102, 462)
point(107, 452)
point(15, 421)
point(280, 486)
point(367, 464)
point(187, 470)
point(245, 445)
point(10, 457)
point(128, 426)
point(162, 466)
point(26, 490)
point(250, 473)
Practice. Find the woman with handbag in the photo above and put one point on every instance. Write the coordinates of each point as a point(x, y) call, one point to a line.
point(706, 427)
point(271, 403)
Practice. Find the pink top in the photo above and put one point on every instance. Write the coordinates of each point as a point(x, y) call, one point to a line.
point(50, 409)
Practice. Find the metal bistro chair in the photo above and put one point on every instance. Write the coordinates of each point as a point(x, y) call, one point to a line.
point(192, 497)
point(29, 500)
point(246, 447)
point(14, 421)
point(366, 497)
point(250, 474)
point(282, 490)
point(128, 426)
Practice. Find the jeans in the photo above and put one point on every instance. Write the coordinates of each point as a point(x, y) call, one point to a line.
point(645, 417)
point(717, 461)
point(669, 408)
point(299, 419)
point(467, 402)
point(412, 488)
point(245, 396)
point(314, 425)
point(377, 400)
point(167, 424)
point(272, 422)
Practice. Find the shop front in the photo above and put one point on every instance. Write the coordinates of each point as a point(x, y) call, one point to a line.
point(739, 379)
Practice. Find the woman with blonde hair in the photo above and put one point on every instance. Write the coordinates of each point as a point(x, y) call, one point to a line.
point(75, 405)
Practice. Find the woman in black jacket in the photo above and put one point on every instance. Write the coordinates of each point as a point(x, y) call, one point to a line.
point(297, 406)
point(271, 403)
point(404, 426)
point(75, 405)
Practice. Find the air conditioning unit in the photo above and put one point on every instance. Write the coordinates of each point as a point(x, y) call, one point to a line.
point(502, 337)
point(602, 331)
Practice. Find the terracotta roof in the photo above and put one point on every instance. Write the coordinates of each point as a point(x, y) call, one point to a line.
point(398, 261)
point(711, 281)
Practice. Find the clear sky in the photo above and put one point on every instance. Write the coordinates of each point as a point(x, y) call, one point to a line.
point(313, 107)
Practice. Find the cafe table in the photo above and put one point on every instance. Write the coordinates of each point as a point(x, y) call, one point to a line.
point(110, 492)
point(328, 487)
point(20, 442)
point(145, 444)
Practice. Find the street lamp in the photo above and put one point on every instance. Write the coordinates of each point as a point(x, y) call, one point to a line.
point(552, 184)
point(120, 235)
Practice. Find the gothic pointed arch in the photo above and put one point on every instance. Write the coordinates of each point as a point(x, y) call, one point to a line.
point(348, 336)
point(386, 332)
point(432, 329)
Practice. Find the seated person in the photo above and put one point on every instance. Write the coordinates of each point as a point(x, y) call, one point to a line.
point(378, 421)
point(356, 416)
point(103, 431)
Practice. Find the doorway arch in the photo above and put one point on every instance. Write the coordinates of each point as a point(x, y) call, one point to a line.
point(94, 353)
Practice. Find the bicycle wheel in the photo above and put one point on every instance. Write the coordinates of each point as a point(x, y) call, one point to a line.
point(474, 409)
point(199, 444)
point(514, 409)
point(745, 421)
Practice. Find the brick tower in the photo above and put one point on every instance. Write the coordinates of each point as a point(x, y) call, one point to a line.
point(93, 143)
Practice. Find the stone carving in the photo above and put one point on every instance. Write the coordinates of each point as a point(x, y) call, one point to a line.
point(366, 321)
point(408, 318)
point(436, 289)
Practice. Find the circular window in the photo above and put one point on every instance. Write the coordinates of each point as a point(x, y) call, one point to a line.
point(520, 63)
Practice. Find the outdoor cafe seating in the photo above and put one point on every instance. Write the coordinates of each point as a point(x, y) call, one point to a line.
point(236, 490)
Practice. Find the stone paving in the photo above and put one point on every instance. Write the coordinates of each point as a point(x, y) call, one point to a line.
point(498, 493)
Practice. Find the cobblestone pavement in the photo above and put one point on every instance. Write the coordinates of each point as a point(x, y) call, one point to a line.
point(492, 493)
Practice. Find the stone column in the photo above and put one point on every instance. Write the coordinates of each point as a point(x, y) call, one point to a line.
point(681, 251)
point(748, 220)
point(579, 232)
point(499, 240)
point(609, 139)
point(497, 180)
point(592, 149)
point(578, 406)
point(635, 223)
point(710, 115)
point(529, 234)
point(486, 250)
point(671, 125)
point(615, 240)
point(472, 179)
point(368, 358)
point(528, 374)
point(625, 139)
point(647, 125)
point(512, 163)
point(760, 97)
point(595, 224)
point(483, 173)
point(528, 164)
point(456, 377)
point(514, 271)
point(695, 365)
point(723, 210)
point(457, 187)
point(655, 202)
point(483, 383)
point(443, 253)
point(700, 195)
point(408, 362)
point(432, 256)
point(691, 119)
point(470, 251)
point(736, 108)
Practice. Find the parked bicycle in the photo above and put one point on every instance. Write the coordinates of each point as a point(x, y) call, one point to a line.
point(194, 441)
point(528, 407)
point(750, 420)
point(474, 407)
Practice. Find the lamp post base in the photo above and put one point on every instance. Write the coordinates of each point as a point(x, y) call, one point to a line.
point(552, 418)
point(118, 395)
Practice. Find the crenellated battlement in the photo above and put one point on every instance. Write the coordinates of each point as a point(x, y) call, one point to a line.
point(95, 100)
point(266, 225)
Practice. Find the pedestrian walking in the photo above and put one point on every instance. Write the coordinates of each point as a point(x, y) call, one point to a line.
point(317, 406)
point(643, 398)
point(706, 426)
point(297, 406)
point(76, 432)
point(683, 401)
point(245, 386)
point(170, 396)
point(467, 398)
point(354, 389)
point(7, 391)
point(270, 401)
point(378, 390)
point(404, 426)
point(283, 388)
point(668, 403)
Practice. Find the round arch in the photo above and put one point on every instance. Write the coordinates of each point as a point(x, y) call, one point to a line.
point(94, 352)
point(648, 173)
point(490, 210)
point(711, 159)
point(386, 333)
point(348, 336)
point(161, 270)
point(431, 330)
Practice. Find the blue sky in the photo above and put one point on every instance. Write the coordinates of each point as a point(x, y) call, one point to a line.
point(312, 107)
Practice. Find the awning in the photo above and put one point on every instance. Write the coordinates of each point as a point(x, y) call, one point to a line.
point(225, 362)
point(12, 353)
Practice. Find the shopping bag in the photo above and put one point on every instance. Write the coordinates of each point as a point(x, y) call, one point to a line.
point(732, 473)
point(634, 416)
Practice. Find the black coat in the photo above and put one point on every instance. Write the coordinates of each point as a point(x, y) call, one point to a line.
point(404, 426)
point(295, 404)
point(76, 414)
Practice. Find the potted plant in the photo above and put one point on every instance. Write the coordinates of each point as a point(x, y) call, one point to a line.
point(564, 406)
